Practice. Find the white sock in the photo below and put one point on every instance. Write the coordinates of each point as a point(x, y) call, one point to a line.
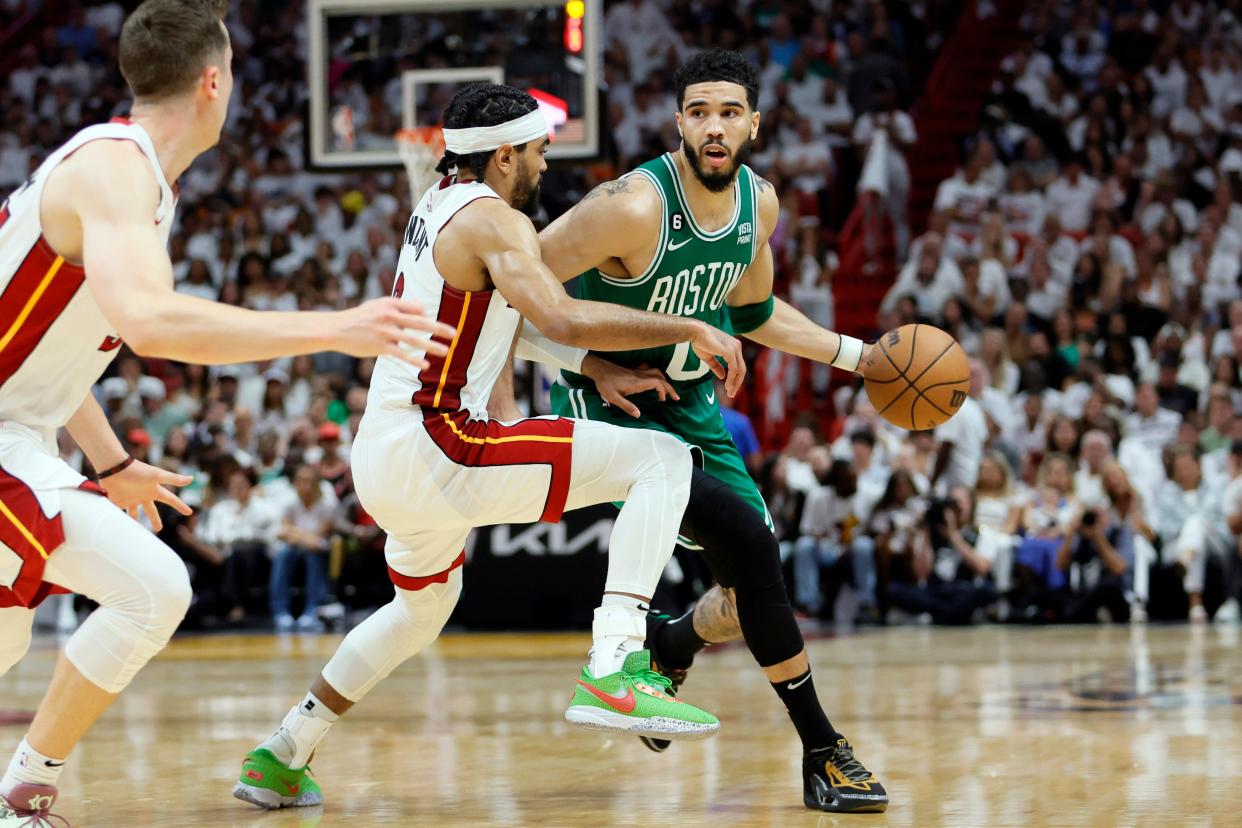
point(619, 628)
point(300, 733)
point(29, 767)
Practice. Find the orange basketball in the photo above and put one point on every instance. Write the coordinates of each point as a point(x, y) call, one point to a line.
point(917, 376)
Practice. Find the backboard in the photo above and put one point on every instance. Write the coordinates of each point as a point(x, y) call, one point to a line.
point(377, 66)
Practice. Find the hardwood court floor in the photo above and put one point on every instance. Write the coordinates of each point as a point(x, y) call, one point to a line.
point(1100, 726)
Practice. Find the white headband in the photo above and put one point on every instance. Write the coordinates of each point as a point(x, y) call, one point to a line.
point(530, 126)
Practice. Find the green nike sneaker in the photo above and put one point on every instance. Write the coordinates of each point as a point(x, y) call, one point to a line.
point(637, 700)
point(268, 783)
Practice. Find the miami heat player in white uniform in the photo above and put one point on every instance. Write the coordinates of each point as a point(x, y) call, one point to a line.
point(429, 465)
point(83, 266)
point(54, 345)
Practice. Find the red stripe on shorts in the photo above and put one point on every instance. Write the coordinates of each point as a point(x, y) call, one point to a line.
point(480, 443)
point(27, 531)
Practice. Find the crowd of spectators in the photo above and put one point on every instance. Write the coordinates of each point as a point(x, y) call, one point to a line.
point(1087, 255)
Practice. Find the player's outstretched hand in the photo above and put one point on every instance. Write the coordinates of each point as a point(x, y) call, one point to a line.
point(615, 383)
point(713, 342)
point(141, 484)
point(382, 326)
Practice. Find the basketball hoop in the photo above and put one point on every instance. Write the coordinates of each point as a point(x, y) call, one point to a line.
point(420, 149)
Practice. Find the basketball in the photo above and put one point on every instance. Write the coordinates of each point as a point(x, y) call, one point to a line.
point(917, 376)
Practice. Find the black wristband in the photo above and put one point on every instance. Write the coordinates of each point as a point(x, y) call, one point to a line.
point(118, 468)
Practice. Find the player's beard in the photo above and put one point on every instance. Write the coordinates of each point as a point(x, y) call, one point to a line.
point(526, 191)
point(717, 181)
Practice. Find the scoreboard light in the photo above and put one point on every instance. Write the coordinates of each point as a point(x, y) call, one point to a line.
point(575, 10)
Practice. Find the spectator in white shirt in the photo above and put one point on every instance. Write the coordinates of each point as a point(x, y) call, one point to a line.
point(1160, 197)
point(1231, 535)
point(1168, 80)
point(1059, 102)
point(929, 279)
point(305, 532)
point(833, 116)
point(985, 287)
point(1095, 452)
point(806, 160)
point(889, 176)
point(806, 89)
point(1196, 121)
point(1046, 293)
point(966, 195)
point(1183, 515)
point(1021, 205)
point(1072, 196)
point(242, 526)
point(1220, 75)
point(1150, 425)
point(961, 440)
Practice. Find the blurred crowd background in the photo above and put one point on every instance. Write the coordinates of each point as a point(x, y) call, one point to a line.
point(1086, 254)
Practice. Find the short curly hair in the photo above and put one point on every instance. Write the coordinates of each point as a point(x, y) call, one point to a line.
point(481, 105)
point(718, 65)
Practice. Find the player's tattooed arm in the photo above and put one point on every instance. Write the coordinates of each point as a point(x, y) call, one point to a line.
point(764, 185)
point(715, 616)
point(609, 188)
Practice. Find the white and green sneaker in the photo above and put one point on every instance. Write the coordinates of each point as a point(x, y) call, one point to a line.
point(267, 782)
point(637, 700)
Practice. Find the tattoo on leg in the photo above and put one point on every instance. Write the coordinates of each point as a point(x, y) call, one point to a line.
point(715, 616)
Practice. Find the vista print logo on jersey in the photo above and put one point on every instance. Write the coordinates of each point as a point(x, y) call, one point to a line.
point(744, 232)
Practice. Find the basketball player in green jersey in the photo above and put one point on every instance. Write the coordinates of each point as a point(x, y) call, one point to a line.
point(687, 234)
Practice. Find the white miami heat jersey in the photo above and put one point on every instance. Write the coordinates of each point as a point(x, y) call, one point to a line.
point(463, 379)
point(54, 340)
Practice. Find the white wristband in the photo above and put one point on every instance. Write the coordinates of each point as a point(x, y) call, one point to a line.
point(848, 354)
point(533, 346)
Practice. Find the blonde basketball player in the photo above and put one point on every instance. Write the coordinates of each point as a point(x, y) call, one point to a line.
point(429, 465)
point(83, 268)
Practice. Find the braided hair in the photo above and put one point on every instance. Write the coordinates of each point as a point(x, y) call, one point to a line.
point(482, 105)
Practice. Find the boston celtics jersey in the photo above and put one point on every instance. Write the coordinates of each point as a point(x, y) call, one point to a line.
point(690, 274)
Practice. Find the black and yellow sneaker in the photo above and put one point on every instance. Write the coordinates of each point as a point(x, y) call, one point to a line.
point(833, 780)
point(656, 620)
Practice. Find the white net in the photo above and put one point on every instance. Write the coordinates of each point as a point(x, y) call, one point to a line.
point(420, 149)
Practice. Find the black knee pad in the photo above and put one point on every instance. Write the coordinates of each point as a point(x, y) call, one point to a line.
point(743, 554)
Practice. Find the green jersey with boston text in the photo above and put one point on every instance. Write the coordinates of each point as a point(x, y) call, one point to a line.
point(690, 274)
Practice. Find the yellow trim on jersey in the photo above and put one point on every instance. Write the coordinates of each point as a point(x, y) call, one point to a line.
point(30, 304)
point(461, 323)
point(21, 528)
point(525, 438)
